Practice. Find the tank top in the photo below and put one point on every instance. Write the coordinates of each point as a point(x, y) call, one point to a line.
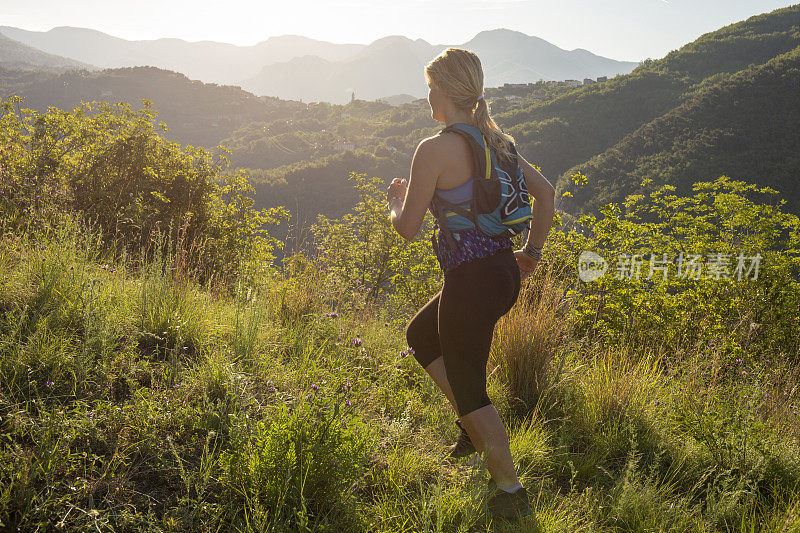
point(471, 243)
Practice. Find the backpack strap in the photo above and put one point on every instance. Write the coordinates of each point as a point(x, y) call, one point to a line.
point(436, 208)
point(458, 208)
point(483, 162)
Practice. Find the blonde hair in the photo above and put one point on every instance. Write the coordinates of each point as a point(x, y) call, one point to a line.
point(459, 75)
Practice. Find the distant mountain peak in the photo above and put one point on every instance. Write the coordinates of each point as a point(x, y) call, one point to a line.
point(392, 39)
point(500, 31)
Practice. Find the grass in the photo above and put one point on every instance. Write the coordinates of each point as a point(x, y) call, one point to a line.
point(132, 399)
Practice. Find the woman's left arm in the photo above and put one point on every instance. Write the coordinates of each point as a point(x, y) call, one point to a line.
point(409, 204)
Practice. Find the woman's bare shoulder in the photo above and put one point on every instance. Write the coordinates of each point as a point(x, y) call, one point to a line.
point(446, 144)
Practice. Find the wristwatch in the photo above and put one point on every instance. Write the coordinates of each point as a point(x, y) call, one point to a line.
point(532, 251)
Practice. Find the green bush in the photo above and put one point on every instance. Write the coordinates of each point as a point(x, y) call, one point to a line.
point(362, 247)
point(110, 165)
point(681, 312)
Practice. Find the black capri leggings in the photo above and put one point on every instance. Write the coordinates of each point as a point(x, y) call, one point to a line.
point(458, 323)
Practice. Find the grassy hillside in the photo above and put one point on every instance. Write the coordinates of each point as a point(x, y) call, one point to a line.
point(135, 399)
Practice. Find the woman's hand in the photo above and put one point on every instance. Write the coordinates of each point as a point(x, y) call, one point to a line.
point(526, 264)
point(397, 190)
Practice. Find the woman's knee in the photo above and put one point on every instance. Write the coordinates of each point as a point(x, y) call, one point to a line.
point(423, 341)
point(471, 404)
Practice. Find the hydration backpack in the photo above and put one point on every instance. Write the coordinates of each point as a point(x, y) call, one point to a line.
point(500, 204)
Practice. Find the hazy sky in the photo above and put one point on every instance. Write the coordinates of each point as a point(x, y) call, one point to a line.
point(619, 29)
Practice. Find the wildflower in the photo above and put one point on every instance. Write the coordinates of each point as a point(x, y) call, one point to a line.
point(49, 383)
point(738, 360)
point(349, 403)
point(403, 353)
point(272, 389)
point(410, 350)
point(315, 386)
point(397, 365)
point(358, 282)
point(357, 341)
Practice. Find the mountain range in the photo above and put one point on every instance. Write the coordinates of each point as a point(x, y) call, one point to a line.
point(297, 67)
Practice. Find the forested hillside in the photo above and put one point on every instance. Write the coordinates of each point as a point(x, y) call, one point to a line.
point(745, 126)
point(573, 128)
point(196, 113)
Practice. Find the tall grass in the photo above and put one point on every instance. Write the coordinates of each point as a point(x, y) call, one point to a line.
point(532, 339)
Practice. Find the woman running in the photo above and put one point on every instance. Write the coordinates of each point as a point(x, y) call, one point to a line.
point(451, 335)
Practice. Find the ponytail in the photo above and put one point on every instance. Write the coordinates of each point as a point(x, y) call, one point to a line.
point(497, 140)
point(459, 74)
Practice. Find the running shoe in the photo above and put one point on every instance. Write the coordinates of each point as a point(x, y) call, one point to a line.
point(463, 446)
point(510, 505)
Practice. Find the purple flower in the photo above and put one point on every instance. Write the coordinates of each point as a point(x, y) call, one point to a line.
point(410, 350)
point(403, 353)
point(358, 282)
point(272, 389)
point(397, 365)
point(738, 360)
point(49, 383)
point(349, 403)
point(315, 386)
point(357, 341)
